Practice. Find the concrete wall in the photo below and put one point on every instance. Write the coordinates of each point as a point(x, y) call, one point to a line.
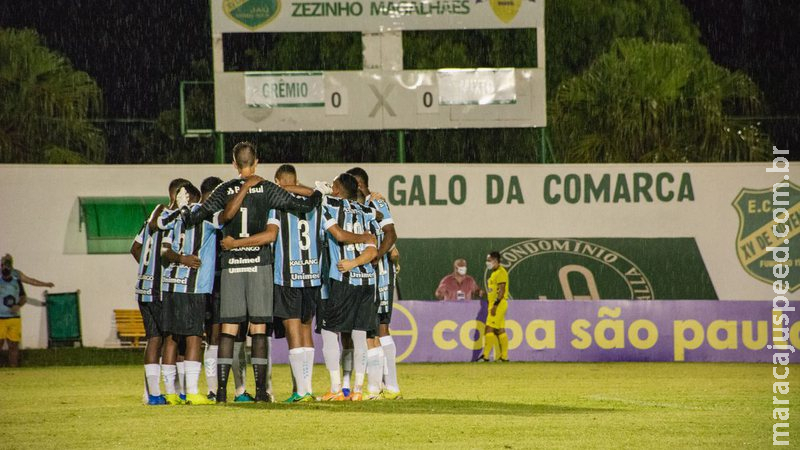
point(40, 221)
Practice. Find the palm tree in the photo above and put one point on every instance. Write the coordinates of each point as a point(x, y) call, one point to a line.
point(656, 102)
point(46, 104)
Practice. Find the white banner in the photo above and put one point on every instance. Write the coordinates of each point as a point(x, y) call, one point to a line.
point(284, 89)
point(476, 86)
point(374, 16)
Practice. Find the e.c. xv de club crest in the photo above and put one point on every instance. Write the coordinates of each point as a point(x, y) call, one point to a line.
point(755, 208)
point(252, 14)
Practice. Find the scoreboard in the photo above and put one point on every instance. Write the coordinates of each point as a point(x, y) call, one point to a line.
point(382, 95)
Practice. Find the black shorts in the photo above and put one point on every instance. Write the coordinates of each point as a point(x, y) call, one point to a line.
point(183, 314)
point(350, 308)
point(151, 316)
point(212, 309)
point(296, 303)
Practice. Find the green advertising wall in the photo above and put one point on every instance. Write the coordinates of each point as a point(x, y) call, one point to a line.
point(603, 268)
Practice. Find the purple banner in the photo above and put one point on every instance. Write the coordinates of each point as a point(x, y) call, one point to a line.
point(678, 330)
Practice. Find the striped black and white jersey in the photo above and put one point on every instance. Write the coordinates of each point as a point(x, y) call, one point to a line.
point(298, 248)
point(355, 218)
point(201, 241)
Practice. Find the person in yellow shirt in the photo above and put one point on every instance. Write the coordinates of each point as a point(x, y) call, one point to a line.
point(497, 296)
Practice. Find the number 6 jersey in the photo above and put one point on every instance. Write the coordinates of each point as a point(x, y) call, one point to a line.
point(354, 218)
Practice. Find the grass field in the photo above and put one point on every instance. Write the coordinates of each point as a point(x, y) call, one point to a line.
point(514, 405)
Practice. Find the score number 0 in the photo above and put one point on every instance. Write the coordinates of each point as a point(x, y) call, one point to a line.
point(336, 101)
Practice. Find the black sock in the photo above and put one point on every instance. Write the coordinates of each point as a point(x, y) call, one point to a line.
point(260, 360)
point(224, 362)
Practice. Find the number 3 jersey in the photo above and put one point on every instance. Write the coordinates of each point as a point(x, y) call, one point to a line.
point(355, 218)
point(298, 249)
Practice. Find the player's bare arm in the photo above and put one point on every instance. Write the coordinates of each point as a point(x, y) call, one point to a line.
point(136, 250)
point(365, 257)
point(268, 236)
point(389, 238)
point(168, 254)
point(299, 189)
point(33, 281)
point(394, 257)
point(232, 207)
point(346, 237)
point(152, 224)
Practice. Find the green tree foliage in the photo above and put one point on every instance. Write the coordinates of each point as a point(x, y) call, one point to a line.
point(45, 105)
point(579, 31)
point(655, 102)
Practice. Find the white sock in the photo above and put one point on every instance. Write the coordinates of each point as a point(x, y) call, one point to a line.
point(239, 367)
point(390, 350)
point(382, 364)
point(331, 353)
point(152, 373)
point(297, 358)
point(192, 376)
point(347, 366)
point(181, 386)
point(169, 372)
point(359, 357)
point(374, 370)
point(211, 367)
point(308, 368)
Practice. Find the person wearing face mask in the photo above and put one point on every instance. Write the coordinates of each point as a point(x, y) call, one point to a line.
point(25, 278)
point(458, 285)
point(13, 297)
point(497, 290)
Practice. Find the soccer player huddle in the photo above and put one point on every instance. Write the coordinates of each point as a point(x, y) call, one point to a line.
point(263, 258)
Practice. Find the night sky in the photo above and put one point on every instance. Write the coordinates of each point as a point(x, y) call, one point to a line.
point(138, 51)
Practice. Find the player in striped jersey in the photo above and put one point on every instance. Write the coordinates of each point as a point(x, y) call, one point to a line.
point(298, 263)
point(351, 307)
point(212, 325)
point(146, 251)
point(386, 282)
point(298, 251)
point(246, 290)
point(187, 283)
